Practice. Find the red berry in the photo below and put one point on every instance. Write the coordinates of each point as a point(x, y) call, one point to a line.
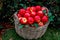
point(37, 18)
point(32, 9)
point(22, 11)
point(27, 15)
point(38, 8)
point(23, 20)
point(40, 13)
point(40, 24)
point(33, 14)
point(44, 19)
point(30, 20)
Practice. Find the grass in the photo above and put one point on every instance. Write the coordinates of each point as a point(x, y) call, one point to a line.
point(51, 34)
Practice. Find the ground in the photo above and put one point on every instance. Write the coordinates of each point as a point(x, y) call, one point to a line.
point(51, 34)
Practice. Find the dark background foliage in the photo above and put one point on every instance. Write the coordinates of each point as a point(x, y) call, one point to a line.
point(9, 7)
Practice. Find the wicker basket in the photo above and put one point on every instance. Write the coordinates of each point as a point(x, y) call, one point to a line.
point(29, 32)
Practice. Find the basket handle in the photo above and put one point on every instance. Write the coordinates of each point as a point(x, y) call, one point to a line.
point(46, 10)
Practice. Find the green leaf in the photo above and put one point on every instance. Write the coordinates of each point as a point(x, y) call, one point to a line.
point(49, 14)
point(44, 11)
point(51, 18)
point(36, 25)
point(25, 6)
point(21, 5)
point(21, 26)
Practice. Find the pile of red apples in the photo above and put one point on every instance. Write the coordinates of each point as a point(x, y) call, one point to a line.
point(32, 15)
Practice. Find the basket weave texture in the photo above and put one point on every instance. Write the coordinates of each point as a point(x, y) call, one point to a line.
point(29, 32)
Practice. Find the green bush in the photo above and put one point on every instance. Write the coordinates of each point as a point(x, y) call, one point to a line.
point(11, 6)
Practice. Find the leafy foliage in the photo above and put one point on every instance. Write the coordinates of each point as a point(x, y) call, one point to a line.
point(36, 25)
point(11, 6)
point(51, 17)
point(21, 26)
point(51, 34)
point(44, 11)
point(10, 33)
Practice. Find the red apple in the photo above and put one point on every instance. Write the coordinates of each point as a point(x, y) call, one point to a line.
point(45, 19)
point(27, 15)
point(27, 11)
point(38, 8)
point(23, 20)
point(22, 11)
point(44, 8)
point(37, 18)
point(28, 8)
point(18, 15)
point(40, 24)
point(30, 20)
point(33, 14)
point(40, 13)
point(32, 9)
point(20, 18)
